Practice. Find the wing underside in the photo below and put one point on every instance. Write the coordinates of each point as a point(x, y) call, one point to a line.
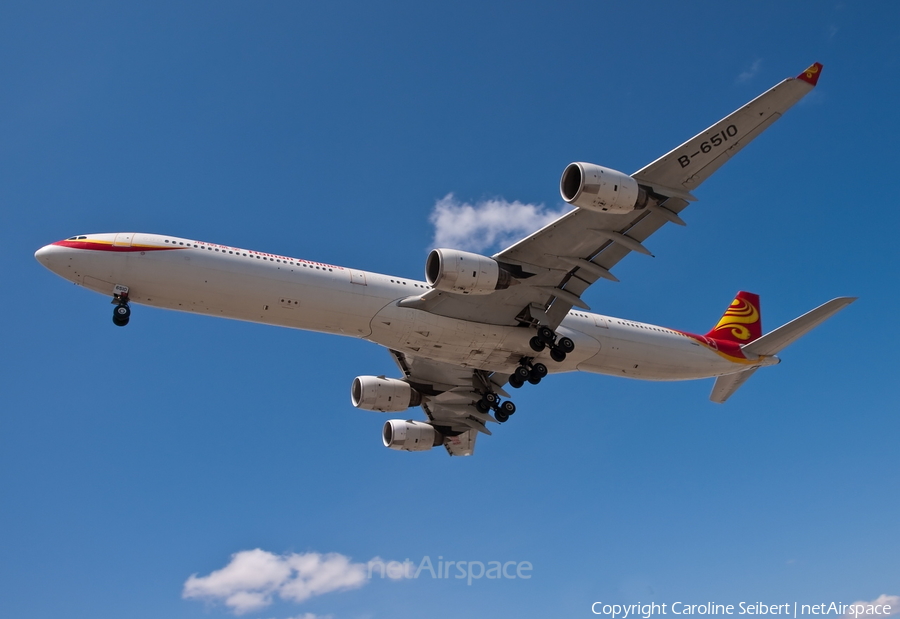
point(560, 261)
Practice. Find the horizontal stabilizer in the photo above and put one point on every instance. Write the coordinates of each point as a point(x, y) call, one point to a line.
point(726, 385)
point(772, 343)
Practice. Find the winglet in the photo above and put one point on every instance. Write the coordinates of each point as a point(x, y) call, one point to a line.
point(811, 74)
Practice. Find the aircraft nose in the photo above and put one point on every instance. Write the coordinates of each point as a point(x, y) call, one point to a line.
point(43, 255)
point(51, 256)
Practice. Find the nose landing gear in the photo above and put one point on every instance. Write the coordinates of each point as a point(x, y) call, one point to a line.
point(121, 313)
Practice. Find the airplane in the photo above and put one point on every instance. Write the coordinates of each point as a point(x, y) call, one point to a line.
point(475, 324)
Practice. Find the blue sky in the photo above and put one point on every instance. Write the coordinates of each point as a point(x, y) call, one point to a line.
point(132, 459)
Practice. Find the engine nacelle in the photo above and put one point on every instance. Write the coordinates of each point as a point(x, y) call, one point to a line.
point(387, 395)
point(596, 188)
point(409, 435)
point(452, 270)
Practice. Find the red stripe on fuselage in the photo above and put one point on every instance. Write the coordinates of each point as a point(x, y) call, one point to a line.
point(95, 246)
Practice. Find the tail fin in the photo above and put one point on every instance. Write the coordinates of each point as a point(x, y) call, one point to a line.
point(742, 322)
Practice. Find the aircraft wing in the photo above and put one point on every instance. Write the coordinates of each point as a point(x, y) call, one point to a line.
point(556, 264)
point(450, 394)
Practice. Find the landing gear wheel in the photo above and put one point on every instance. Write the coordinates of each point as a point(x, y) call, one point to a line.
point(515, 382)
point(537, 345)
point(557, 355)
point(534, 379)
point(565, 344)
point(546, 335)
point(539, 370)
point(508, 408)
point(482, 407)
point(121, 315)
point(521, 372)
point(501, 416)
point(491, 399)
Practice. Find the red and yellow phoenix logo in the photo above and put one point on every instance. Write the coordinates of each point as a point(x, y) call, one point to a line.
point(811, 74)
point(738, 316)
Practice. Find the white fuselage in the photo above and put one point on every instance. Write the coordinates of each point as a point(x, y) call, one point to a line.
point(217, 280)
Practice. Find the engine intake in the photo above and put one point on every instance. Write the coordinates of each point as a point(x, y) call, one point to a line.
point(386, 395)
point(596, 188)
point(452, 270)
point(410, 435)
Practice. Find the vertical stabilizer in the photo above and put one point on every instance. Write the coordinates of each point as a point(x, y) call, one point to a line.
point(741, 322)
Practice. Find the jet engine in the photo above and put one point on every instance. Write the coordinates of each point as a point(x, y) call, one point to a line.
point(410, 435)
point(452, 270)
point(596, 188)
point(386, 395)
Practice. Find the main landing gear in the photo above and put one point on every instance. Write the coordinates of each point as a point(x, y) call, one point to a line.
point(527, 371)
point(502, 410)
point(121, 313)
point(559, 347)
point(534, 372)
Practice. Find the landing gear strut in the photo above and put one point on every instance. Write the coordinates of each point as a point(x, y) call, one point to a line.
point(122, 312)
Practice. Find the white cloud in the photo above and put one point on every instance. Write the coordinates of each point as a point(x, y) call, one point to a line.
point(486, 224)
point(750, 73)
point(891, 600)
point(253, 578)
